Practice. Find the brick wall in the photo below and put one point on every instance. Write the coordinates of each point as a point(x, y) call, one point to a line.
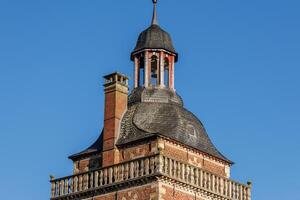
point(177, 152)
point(138, 151)
point(195, 158)
point(168, 148)
point(145, 192)
point(172, 193)
point(86, 164)
point(152, 191)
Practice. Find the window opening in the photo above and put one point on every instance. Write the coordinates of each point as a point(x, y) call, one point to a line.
point(154, 74)
point(141, 76)
point(166, 72)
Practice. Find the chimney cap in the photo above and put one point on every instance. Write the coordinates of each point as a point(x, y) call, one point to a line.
point(115, 77)
point(108, 76)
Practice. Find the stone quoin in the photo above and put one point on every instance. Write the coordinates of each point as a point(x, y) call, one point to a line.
point(151, 147)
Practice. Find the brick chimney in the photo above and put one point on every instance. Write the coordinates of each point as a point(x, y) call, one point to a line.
point(116, 94)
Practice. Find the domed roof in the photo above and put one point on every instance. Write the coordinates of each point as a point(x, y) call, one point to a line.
point(154, 111)
point(154, 37)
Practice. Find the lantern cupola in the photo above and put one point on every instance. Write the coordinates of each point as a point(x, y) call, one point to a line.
point(154, 56)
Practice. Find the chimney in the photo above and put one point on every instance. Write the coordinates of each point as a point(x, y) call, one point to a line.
point(116, 94)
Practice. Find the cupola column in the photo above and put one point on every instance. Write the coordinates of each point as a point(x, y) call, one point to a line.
point(171, 73)
point(154, 68)
point(136, 72)
point(147, 69)
point(162, 69)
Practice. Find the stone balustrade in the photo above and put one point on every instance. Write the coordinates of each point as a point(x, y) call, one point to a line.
point(206, 181)
point(156, 165)
point(104, 177)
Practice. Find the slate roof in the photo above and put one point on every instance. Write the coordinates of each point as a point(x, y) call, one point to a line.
point(154, 37)
point(154, 111)
point(158, 112)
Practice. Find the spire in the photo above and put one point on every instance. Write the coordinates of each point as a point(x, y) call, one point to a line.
point(154, 17)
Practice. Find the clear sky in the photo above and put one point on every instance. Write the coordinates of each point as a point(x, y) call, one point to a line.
point(238, 71)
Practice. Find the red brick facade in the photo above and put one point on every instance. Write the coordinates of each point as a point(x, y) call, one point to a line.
point(145, 192)
point(178, 152)
point(168, 192)
point(196, 158)
point(153, 191)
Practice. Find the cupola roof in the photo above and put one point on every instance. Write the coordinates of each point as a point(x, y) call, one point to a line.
point(154, 37)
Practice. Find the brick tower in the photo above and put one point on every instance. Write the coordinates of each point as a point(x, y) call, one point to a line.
point(151, 147)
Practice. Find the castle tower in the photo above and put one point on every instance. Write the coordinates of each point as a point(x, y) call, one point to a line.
point(151, 147)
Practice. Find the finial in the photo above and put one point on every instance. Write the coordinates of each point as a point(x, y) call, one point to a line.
point(51, 177)
point(154, 17)
point(249, 183)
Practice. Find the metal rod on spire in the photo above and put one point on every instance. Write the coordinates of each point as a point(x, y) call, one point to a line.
point(154, 17)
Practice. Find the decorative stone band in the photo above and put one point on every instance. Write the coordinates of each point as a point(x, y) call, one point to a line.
point(141, 171)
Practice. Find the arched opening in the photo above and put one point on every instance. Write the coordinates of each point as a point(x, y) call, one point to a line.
point(141, 76)
point(154, 71)
point(166, 72)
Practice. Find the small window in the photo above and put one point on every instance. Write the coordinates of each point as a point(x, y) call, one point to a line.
point(191, 131)
point(154, 71)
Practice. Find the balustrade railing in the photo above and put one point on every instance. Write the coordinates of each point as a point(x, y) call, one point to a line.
point(104, 177)
point(205, 180)
point(148, 166)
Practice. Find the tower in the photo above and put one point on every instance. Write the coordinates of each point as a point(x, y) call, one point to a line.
point(151, 147)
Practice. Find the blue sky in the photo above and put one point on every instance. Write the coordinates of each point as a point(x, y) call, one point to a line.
point(238, 71)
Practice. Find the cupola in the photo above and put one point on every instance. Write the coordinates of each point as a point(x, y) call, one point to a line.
point(154, 57)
